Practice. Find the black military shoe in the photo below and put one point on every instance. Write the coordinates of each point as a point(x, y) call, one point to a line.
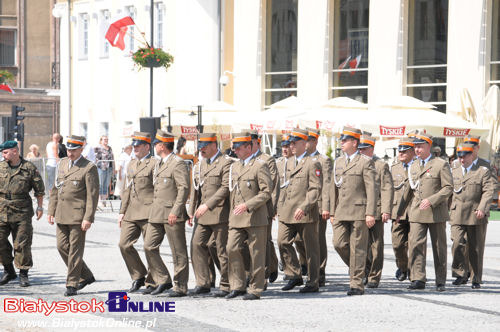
point(8, 274)
point(23, 278)
point(85, 283)
point(219, 293)
point(161, 288)
point(235, 293)
point(460, 281)
point(136, 284)
point(398, 273)
point(280, 266)
point(303, 269)
point(309, 289)
point(250, 297)
point(200, 290)
point(292, 283)
point(417, 284)
point(70, 291)
point(440, 288)
point(273, 276)
point(476, 285)
point(372, 284)
point(355, 291)
point(148, 290)
point(176, 294)
point(403, 276)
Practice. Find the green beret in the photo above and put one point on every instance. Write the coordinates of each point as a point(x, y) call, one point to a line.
point(9, 145)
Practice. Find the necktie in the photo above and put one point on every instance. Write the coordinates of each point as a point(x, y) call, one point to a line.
point(406, 167)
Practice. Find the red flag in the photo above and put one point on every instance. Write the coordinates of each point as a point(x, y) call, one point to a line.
point(6, 87)
point(117, 30)
point(354, 63)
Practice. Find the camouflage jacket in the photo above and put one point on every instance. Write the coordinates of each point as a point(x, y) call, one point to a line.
point(15, 186)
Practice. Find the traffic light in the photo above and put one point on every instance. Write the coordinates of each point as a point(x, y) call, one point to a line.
point(16, 123)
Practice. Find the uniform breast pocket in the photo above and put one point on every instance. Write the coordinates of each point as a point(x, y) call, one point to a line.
point(249, 184)
point(214, 180)
point(474, 186)
point(3, 179)
point(355, 178)
point(75, 183)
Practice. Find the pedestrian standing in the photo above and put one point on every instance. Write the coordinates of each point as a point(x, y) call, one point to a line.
point(121, 169)
point(52, 151)
point(105, 166)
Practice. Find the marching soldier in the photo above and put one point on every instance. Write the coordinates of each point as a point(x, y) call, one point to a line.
point(250, 186)
point(353, 205)
point(281, 164)
point(385, 194)
point(298, 214)
point(472, 196)
point(209, 207)
point(430, 185)
point(72, 206)
point(134, 211)
point(400, 229)
point(17, 178)
point(168, 216)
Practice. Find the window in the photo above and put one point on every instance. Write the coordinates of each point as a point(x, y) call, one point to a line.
point(105, 20)
point(350, 49)
point(84, 36)
point(281, 51)
point(103, 128)
point(131, 29)
point(495, 44)
point(8, 45)
point(159, 25)
point(83, 129)
point(427, 51)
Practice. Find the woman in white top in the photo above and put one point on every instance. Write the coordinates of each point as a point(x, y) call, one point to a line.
point(122, 165)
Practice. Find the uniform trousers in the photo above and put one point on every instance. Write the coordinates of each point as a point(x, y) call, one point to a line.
point(71, 245)
point(201, 254)
point(129, 234)
point(375, 253)
point(256, 237)
point(177, 241)
point(271, 258)
point(286, 237)
point(323, 250)
point(469, 237)
point(22, 235)
point(350, 239)
point(399, 234)
point(417, 244)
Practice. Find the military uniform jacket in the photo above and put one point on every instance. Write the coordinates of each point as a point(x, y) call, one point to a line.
point(76, 193)
point(15, 186)
point(400, 181)
point(433, 182)
point(471, 191)
point(353, 193)
point(138, 193)
point(303, 190)
point(272, 204)
point(171, 190)
point(210, 187)
point(252, 185)
point(385, 188)
point(326, 172)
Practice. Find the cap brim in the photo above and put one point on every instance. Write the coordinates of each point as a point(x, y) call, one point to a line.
point(238, 144)
point(364, 146)
point(285, 143)
point(419, 141)
point(70, 146)
point(295, 139)
point(463, 153)
point(343, 137)
point(202, 144)
point(404, 148)
point(138, 142)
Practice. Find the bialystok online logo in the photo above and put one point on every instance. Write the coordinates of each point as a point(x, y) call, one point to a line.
point(117, 302)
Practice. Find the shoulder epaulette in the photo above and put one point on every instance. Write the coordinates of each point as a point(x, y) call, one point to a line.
point(366, 157)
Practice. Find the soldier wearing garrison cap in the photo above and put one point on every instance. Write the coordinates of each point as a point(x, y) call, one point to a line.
point(400, 229)
point(250, 187)
point(298, 214)
point(353, 205)
point(17, 178)
point(472, 195)
point(209, 209)
point(426, 197)
point(72, 206)
point(135, 208)
point(385, 195)
point(168, 216)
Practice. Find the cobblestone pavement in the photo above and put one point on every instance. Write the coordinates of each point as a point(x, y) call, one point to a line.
point(390, 307)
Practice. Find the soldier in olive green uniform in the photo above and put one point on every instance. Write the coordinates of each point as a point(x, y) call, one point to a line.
point(209, 206)
point(134, 211)
point(17, 178)
point(427, 200)
point(168, 216)
point(250, 187)
point(385, 194)
point(73, 202)
point(353, 205)
point(400, 229)
point(298, 214)
point(281, 165)
point(472, 196)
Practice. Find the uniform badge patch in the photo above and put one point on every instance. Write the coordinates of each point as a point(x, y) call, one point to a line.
point(318, 172)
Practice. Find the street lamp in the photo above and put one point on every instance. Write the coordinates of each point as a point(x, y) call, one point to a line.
point(199, 126)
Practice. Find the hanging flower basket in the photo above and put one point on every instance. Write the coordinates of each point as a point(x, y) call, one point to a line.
point(148, 57)
point(6, 77)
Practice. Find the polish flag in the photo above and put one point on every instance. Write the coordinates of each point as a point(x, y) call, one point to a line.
point(354, 63)
point(6, 87)
point(116, 32)
point(343, 64)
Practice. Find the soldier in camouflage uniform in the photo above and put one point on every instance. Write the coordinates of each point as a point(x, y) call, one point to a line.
point(17, 178)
